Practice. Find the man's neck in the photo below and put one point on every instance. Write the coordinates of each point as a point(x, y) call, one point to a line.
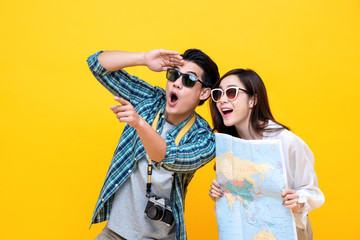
point(176, 119)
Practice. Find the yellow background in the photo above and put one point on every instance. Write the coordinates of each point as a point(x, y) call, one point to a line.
point(58, 134)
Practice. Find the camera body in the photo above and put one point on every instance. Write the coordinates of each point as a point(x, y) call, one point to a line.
point(158, 208)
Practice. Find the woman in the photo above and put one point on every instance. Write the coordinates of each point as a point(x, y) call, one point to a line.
point(240, 108)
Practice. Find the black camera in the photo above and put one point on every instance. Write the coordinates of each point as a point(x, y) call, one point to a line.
point(159, 208)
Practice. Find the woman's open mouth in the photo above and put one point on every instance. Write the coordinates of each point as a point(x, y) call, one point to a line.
point(226, 112)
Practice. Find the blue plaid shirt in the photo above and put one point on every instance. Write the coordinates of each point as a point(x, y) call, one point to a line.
point(196, 148)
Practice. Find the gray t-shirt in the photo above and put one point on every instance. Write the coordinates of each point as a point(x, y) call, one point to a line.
point(127, 217)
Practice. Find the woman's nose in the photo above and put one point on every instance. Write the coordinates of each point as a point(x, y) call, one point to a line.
point(223, 99)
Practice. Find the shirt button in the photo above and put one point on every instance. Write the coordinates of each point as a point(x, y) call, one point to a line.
point(102, 200)
point(158, 130)
point(129, 171)
point(116, 185)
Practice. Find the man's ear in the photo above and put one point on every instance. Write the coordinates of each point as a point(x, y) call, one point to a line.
point(205, 93)
point(253, 101)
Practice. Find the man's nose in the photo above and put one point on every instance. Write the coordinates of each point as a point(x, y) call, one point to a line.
point(178, 83)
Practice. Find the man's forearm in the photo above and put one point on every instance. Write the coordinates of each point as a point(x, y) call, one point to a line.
point(116, 60)
point(154, 144)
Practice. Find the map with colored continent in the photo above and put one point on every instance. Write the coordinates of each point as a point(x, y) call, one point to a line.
point(252, 175)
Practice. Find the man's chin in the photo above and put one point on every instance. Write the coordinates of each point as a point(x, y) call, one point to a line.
point(170, 109)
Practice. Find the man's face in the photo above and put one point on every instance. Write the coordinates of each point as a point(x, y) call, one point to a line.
point(181, 101)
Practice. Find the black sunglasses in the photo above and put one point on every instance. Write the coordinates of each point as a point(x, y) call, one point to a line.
point(187, 79)
point(231, 93)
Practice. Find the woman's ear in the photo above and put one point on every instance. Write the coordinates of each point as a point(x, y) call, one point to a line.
point(253, 101)
point(205, 93)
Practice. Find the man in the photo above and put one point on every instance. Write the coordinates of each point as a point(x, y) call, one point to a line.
point(141, 201)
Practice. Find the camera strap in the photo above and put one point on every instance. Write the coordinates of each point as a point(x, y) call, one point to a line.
point(178, 138)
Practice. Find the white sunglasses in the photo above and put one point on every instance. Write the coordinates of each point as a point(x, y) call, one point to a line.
point(231, 93)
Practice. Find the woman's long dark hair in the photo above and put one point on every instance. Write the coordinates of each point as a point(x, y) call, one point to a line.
point(261, 113)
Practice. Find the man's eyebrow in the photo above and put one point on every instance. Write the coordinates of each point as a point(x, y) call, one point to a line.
point(194, 73)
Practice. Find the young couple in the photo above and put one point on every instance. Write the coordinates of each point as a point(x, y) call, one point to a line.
point(164, 141)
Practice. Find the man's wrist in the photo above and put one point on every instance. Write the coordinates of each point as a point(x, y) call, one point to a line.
point(141, 58)
point(140, 124)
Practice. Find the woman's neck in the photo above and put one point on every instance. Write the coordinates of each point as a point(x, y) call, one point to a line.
point(246, 131)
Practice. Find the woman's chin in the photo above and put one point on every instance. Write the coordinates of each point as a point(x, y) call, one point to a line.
point(227, 123)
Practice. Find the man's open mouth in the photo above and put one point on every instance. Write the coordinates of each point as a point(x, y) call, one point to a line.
point(173, 98)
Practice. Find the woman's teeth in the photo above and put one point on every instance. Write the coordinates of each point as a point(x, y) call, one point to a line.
point(226, 111)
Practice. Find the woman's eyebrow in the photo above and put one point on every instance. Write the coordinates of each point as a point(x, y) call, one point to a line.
point(232, 85)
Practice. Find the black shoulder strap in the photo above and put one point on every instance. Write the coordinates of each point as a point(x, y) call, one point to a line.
point(178, 138)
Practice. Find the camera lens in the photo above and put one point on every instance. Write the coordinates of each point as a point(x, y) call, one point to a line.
point(155, 212)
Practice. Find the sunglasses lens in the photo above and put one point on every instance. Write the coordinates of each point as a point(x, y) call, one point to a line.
point(188, 80)
point(216, 95)
point(231, 93)
point(172, 75)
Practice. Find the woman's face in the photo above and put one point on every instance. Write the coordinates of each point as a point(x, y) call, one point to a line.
point(234, 112)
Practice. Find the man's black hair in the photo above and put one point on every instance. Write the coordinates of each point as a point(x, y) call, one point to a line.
point(210, 70)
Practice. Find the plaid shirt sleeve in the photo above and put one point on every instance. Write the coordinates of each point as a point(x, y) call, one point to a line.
point(120, 83)
point(193, 152)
